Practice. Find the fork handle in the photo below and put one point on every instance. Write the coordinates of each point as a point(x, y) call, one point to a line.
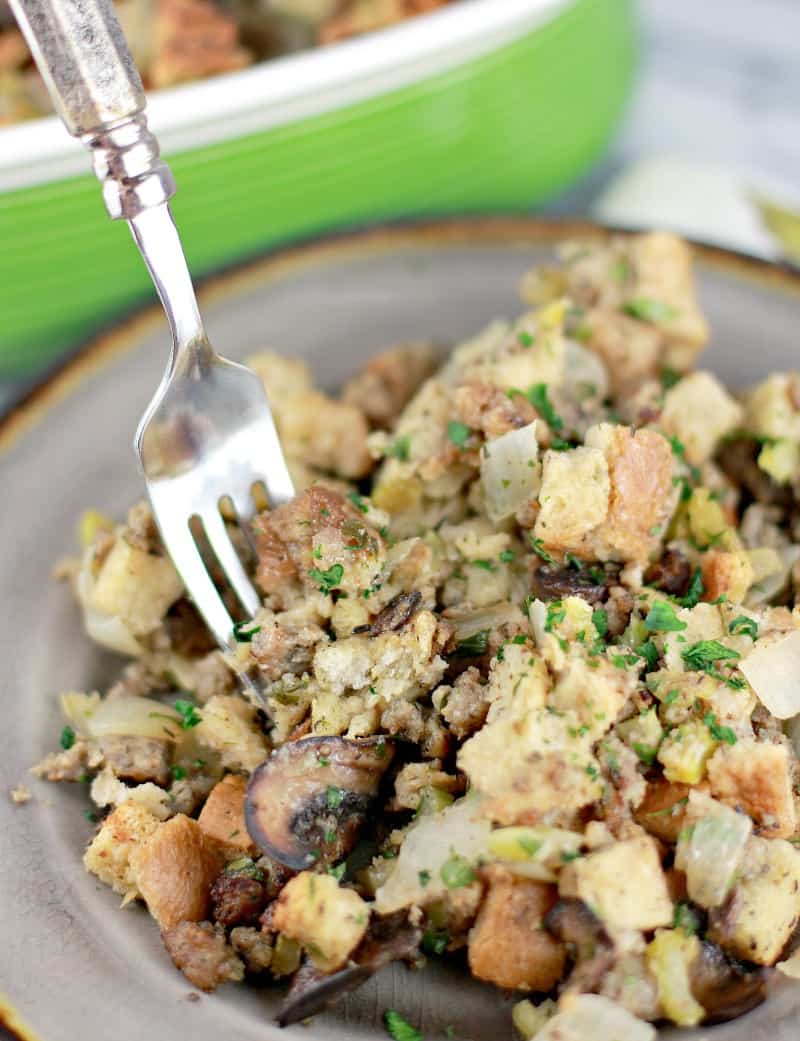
point(84, 60)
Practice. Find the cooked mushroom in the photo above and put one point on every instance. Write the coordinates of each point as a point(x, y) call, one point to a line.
point(307, 802)
point(724, 987)
point(389, 939)
point(394, 616)
point(554, 583)
point(671, 574)
point(588, 944)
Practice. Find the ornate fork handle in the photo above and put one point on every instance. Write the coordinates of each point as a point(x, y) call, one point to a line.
point(81, 52)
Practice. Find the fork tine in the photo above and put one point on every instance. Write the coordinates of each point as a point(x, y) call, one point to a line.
point(186, 557)
point(229, 560)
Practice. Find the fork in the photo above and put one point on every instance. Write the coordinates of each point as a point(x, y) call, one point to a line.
point(207, 438)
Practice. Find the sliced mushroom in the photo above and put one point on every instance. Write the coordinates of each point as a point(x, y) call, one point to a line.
point(554, 583)
point(671, 574)
point(588, 944)
point(724, 987)
point(394, 616)
point(307, 802)
point(389, 939)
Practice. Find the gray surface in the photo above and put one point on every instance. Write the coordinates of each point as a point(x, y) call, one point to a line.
point(75, 965)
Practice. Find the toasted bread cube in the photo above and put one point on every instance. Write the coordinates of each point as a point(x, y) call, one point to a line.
point(623, 884)
point(136, 587)
point(757, 778)
point(174, 870)
point(574, 498)
point(764, 908)
point(700, 412)
point(222, 816)
point(508, 945)
point(228, 725)
point(326, 919)
point(727, 573)
point(109, 853)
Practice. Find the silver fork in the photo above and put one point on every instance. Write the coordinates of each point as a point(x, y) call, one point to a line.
point(208, 434)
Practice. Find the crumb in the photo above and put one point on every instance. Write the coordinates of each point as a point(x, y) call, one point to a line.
point(192, 996)
point(20, 795)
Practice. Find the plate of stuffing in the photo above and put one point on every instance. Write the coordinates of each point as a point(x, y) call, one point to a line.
point(529, 647)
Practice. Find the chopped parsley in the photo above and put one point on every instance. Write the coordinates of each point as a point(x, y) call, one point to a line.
point(358, 502)
point(718, 732)
point(524, 339)
point(473, 646)
point(648, 309)
point(434, 942)
point(67, 739)
point(338, 871)
point(661, 618)
point(188, 713)
point(457, 872)
point(485, 565)
point(694, 594)
point(507, 556)
point(702, 656)
point(537, 395)
point(649, 652)
point(400, 448)
point(572, 561)
point(328, 580)
point(748, 626)
point(600, 621)
point(537, 545)
point(686, 918)
point(621, 270)
point(646, 753)
point(400, 1029)
point(334, 797)
point(529, 845)
point(568, 855)
point(178, 772)
point(556, 613)
point(458, 433)
point(679, 450)
point(424, 878)
point(671, 697)
point(243, 635)
point(592, 771)
point(669, 377)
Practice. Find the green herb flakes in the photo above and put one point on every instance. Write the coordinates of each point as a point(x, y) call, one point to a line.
point(648, 309)
point(473, 646)
point(338, 871)
point(327, 580)
point(399, 1028)
point(718, 732)
point(537, 545)
point(661, 618)
point(334, 797)
point(358, 502)
point(457, 872)
point(537, 395)
point(244, 635)
point(434, 942)
point(178, 772)
point(525, 339)
point(424, 878)
point(600, 621)
point(458, 433)
point(400, 448)
point(702, 656)
point(748, 626)
point(188, 713)
point(506, 556)
point(67, 739)
point(686, 918)
point(694, 594)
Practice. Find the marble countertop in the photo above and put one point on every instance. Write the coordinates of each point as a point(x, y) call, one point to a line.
point(719, 82)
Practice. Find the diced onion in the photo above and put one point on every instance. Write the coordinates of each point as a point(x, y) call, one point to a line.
point(77, 709)
point(534, 852)
point(585, 375)
point(592, 1017)
point(510, 472)
point(711, 853)
point(773, 671)
point(471, 622)
point(458, 830)
point(107, 630)
point(134, 717)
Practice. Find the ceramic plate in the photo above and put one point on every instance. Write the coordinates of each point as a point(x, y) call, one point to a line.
point(71, 964)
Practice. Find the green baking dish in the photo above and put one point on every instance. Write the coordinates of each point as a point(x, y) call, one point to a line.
point(484, 105)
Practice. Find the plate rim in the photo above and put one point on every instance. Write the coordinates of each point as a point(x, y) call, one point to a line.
point(120, 333)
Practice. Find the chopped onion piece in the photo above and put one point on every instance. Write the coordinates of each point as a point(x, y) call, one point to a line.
point(773, 671)
point(458, 831)
point(534, 852)
point(711, 850)
point(135, 717)
point(510, 472)
point(585, 374)
point(107, 630)
point(471, 622)
point(78, 708)
point(592, 1017)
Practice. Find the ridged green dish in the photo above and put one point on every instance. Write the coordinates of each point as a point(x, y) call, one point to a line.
point(499, 131)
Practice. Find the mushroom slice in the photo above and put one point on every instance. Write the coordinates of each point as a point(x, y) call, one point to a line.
point(389, 939)
point(724, 987)
point(306, 804)
point(588, 944)
point(394, 616)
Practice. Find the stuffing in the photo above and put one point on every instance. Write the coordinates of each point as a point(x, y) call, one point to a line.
point(229, 725)
point(329, 921)
point(386, 384)
point(109, 853)
point(764, 908)
point(756, 778)
point(137, 758)
point(415, 779)
point(254, 947)
point(222, 816)
point(623, 884)
point(508, 945)
point(202, 954)
point(573, 500)
point(174, 868)
point(463, 706)
point(700, 412)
